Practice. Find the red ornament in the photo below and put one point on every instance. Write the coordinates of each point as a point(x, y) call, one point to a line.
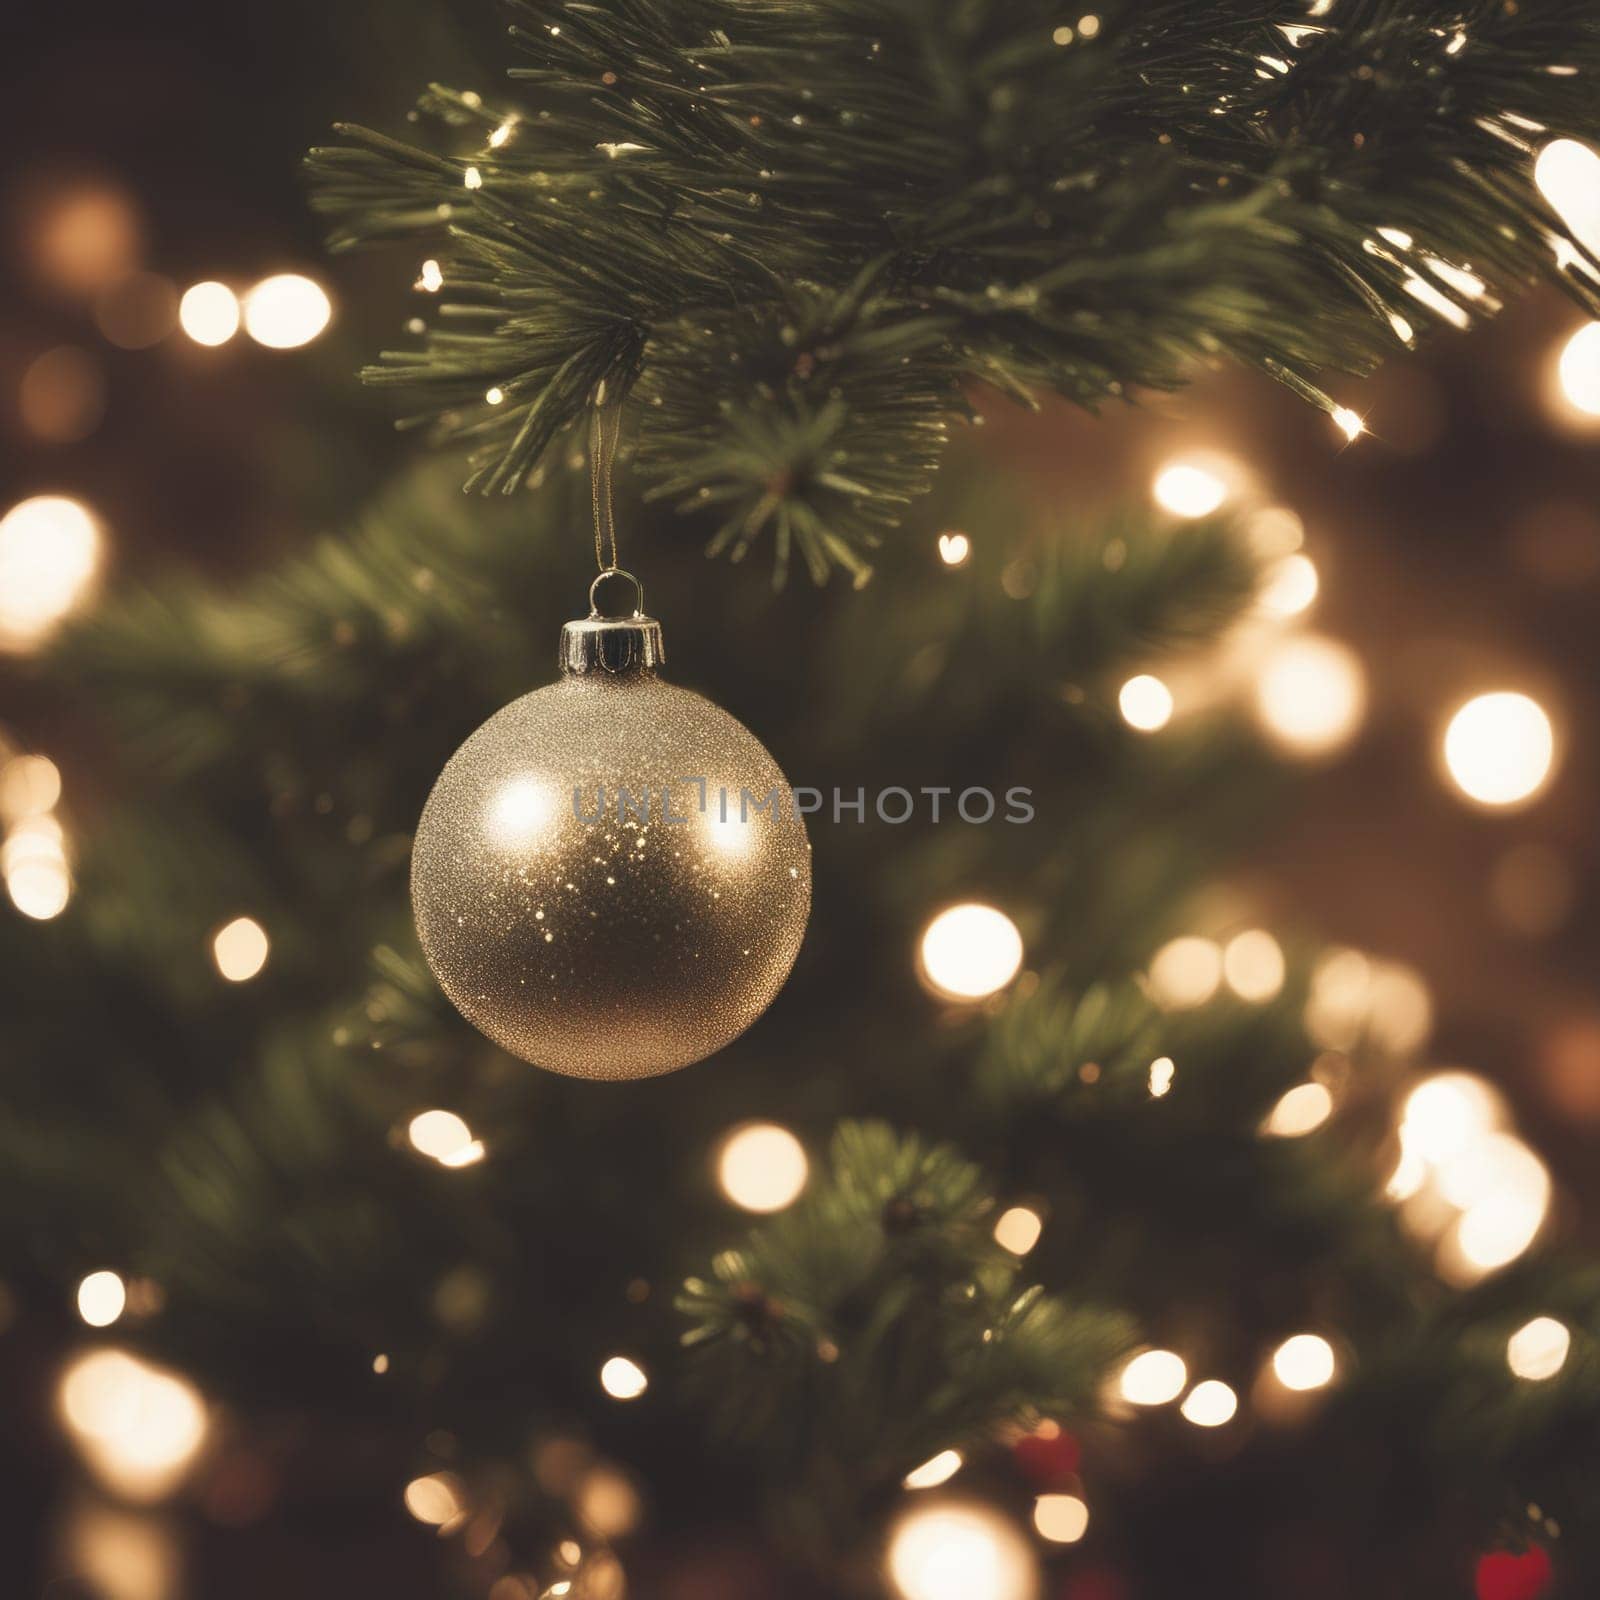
point(1048, 1456)
point(1502, 1575)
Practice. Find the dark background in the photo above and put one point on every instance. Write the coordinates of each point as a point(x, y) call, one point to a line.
point(1459, 546)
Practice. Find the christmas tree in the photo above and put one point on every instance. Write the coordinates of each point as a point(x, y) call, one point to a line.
point(1059, 1229)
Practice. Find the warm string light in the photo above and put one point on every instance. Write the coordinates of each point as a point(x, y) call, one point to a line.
point(240, 949)
point(33, 853)
point(1303, 1362)
point(1537, 1351)
point(1196, 486)
point(762, 1167)
point(955, 549)
point(1060, 1518)
point(623, 1379)
point(934, 1471)
point(102, 1298)
point(1210, 1404)
point(1499, 749)
point(1185, 973)
point(1465, 1180)
point(969, 952)
point(1577, 374)
point(1018, 1230)
point(1153, 1378)
point(286, 311)
point(444, 1137)
point(959, 1550)
point(1299, 1111)
point(1146, 703)
point(50, 557)
point(209, 313)
point(1311, 696)
point(1253, 965)
point(137, 1427)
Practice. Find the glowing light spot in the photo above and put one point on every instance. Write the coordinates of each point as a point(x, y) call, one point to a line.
point(1185, 973)
point(29, 787)
point(1145, 703)
point(1349, 423)
point(1494, 1166)
point(444, 1137)
point(623, 1379)
point(762, 1167)
point(209, 313)
point(1061, 35)
point(1538, 1349)
point(1446, 1113)
point(1301, 1110)
point(1088, 27)
point(607, 1503)
point(1311, 695)
point(502, 133)
point(102, 1297)
point(970, 951)
point(1190, 489)
point(430, 279)
point(1275, 531)
point(137, 1427)
point(495, 396)
point(40, 888)
point(1060, 1518)
point(240, 949)
point(1578, 370)
point(1018, 1230)
point(520, 811)
point(934, 1471)
point(733, 834)
point(1494, 1233)
point(1210, 1404)
point(50, 553)
point(436, 1499)
point(286, 311)
point(1153, 1378)
point(1568, 176)
point(1304, 1362)
point(472, 178)
point(960, 1552)
point(1162, 1072)
point(1253, 964)
point(955, 549)
point(1290, 587)
point(1409, 1175)
point(1499, 748)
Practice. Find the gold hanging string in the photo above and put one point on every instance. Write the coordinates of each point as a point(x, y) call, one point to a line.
point(605, 432)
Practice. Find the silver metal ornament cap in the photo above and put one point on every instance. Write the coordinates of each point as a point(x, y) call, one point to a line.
point(601, 642)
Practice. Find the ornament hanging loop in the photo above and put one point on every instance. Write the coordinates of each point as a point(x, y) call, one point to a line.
point(605, 433)
point(605, 576)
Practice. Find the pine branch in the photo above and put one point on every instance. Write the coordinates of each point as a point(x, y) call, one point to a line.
point(792, 232)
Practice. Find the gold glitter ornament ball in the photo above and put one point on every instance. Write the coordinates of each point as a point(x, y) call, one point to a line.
point(610, 879)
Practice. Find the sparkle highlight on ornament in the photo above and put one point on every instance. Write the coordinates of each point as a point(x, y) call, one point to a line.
point(520, 812)
point(102, 1298)
point(137, 1427)
point(1499, 748)
point(1146, 703)
point(969, 952)
point(934, 1471)
point(1018, 1230)
point(1060, 1518)
point(240, 949)
point(762, 1167)
point(1304, 1362)
point(960, 1552)
point(286, 311)
point(1153, 1378)
point(1538, 1349)
point(209, 313)
point(50, 554)
point(623, 1379)
point(1209, 1404)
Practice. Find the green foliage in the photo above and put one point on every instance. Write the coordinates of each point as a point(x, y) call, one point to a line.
point(794, 233)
